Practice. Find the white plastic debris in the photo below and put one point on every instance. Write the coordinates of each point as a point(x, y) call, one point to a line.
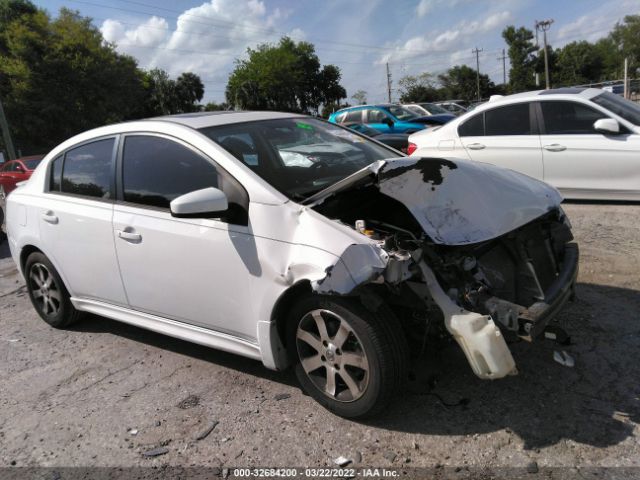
point(563, 358)
point(342, 461)
point(133, 431)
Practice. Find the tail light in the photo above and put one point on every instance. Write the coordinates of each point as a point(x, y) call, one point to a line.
point(411, 148)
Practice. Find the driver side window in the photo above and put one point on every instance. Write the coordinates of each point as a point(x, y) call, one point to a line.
point(569, 118)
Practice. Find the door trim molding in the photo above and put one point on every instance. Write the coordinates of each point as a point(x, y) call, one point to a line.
point(172, 328)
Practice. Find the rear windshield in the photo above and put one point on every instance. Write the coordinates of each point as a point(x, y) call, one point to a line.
point(623, 108)
point(298, 156)
point(401, 113)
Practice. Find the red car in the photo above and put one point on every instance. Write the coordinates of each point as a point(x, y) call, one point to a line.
point(16, 171)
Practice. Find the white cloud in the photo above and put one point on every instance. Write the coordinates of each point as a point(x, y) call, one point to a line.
point(424, 7)
point(205, 41)
point(448, 40)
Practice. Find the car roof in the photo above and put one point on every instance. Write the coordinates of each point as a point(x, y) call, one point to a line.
point(199, 120)
point(373, 105)
point(560, 93)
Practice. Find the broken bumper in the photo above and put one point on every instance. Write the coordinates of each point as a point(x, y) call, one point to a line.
point(531, 322)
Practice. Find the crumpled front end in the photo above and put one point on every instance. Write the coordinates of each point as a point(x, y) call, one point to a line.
point(486, 250)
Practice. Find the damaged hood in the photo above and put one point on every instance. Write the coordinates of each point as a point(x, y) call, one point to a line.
point(456, 202)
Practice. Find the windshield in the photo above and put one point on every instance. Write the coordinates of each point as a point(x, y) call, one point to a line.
point(401, 113)
point(433, 108)
point(298, 156)
point(32, 163)
point(615, 103)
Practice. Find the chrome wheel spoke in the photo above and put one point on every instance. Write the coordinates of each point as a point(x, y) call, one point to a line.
point(310, 339)
point(34, 276)
point(355, 360)
point(37, 293)
point(322, 326)
point(311, 364)
point(55, 294)
point(330, 387)
point(48, 281)
point(341, 336)
point(353, 387)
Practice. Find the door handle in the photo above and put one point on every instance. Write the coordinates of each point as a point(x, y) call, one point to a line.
point(129, 236)
point(555, 147)
point(475, 146)
point(49, 217)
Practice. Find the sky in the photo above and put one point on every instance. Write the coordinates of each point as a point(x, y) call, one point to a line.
point(360, 37)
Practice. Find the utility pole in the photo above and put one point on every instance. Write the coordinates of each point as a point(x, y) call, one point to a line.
point(545, 25)
point(388, 83)
point(504, 67)
point(477, 52)
point(626, 78)
point(6, 135)
point(536, 74)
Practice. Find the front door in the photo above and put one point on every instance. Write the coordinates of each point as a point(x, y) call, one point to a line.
point(582, 162)
point(190, 270)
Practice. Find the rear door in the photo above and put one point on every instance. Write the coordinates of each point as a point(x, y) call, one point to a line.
point(583, 162)
point(506, 136)
point(74, 216)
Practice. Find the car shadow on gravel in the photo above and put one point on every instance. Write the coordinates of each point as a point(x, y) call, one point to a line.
point(97, 324)
point(594, 403)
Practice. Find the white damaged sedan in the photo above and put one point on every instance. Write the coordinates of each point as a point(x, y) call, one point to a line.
point(294, 242)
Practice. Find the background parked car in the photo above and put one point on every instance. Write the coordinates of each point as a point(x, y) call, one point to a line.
point(399, 141)
point(16, 171)
point(453, 107)
point(386, 118)
point(585, 142)
point(427, 109)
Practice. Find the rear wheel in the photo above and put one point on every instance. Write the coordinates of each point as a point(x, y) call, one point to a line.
point(48, 293)
point(347, 358)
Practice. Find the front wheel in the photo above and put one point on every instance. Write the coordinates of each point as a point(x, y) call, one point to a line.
point(349, 359)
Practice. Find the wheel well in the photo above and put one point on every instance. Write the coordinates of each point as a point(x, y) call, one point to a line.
point(284, 304)
point(24, 254)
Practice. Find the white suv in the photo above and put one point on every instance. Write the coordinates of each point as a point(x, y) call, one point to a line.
point(585, 142)
point(294, 242)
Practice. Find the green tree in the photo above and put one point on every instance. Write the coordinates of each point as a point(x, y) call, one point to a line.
point(360, 97)
point(625, 38)
point(189, 92)
point(522, 58)
point(419, 88)
point(286, 76)
point(215, 107)
point(578, 63)
point(460, 82)
point(59, 77)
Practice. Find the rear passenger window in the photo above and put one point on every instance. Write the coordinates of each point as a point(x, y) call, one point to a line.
point(156, 170)
point(354, 116)
point(508, 120)
point(56, 175)
point(474, 127)
point(87, 169)
point(569, 118)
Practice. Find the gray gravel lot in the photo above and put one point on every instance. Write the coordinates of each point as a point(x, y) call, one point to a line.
point(103, 393)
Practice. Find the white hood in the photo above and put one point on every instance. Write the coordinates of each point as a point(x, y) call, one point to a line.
point(457, 202)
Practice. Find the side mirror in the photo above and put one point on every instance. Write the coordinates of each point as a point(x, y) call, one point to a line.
point(200, 204)
point(387, 121)
point(607, 126)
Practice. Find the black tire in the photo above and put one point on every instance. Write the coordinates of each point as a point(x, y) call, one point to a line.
point(376, 335)
point(52, 302)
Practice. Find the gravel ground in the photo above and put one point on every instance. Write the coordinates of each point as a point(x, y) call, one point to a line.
point(103, 393)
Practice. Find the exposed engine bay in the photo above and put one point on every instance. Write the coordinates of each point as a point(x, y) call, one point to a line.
point(482, 286)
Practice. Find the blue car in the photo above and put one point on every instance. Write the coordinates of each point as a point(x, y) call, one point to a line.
point(388, 118)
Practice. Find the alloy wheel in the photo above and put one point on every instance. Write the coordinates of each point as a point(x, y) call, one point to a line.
point(44, 289)
point(332, 355)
